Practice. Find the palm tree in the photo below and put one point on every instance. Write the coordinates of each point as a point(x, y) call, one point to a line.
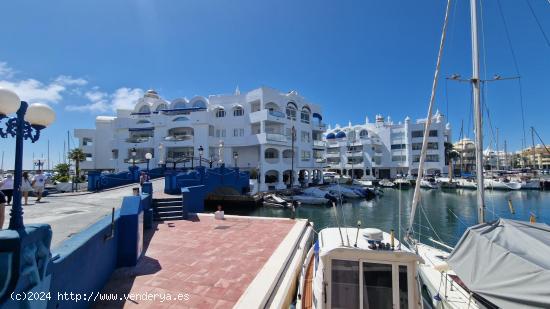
point(77, 155)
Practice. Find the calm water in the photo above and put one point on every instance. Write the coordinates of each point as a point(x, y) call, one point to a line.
point(449, 212)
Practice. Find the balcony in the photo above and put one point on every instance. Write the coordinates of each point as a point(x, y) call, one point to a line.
point(357, 153)
point(138, 139)
point(319, 144)
point(276, 137)
point(267, 115)
point(333, 155)
point(178, 138)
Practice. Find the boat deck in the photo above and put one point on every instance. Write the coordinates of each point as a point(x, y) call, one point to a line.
point(216, 263)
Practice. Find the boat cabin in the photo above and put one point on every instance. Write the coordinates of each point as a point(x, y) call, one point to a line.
point(363, 268)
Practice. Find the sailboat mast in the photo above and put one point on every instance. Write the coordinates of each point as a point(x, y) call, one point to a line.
point(477, 113)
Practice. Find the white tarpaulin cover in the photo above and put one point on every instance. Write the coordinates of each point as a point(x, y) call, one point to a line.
point(507, 262)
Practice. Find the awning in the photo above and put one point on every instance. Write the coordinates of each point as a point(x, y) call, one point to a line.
point(141, 129)
point(507, 262)
point(318, 116)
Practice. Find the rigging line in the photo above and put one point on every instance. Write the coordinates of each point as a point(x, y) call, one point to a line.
point(416, 196)
point(538, 22)
point(516, 66)
point(457, 217)
point(428, 220)
point(484, 104)
point(537, 133)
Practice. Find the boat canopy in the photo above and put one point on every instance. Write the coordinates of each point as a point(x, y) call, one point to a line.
point(506, 262)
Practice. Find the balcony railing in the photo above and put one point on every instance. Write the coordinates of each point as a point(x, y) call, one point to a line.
point(357, 153)
point(138, 139)
point(319, 143)
point(179, 137)
point(276, 137)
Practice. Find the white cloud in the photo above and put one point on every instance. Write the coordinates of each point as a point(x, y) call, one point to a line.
point(5, 70)
point(33, 90)
point(122, 98)
point(70, 81)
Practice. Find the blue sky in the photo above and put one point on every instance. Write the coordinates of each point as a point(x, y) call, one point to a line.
point(355, 58)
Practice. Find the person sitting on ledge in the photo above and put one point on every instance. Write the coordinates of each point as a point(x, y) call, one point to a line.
point(219, 214)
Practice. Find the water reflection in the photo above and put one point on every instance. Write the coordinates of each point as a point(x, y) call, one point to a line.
point(450, 212)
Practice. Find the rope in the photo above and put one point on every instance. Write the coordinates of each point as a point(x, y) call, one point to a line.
point(416, 196)
point(538, 23)
point(516, 66)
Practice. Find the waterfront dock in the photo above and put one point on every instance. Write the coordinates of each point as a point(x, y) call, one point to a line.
point(241, 262)
point(71, 213)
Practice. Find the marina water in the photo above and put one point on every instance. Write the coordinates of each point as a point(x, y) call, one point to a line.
point(449, 212)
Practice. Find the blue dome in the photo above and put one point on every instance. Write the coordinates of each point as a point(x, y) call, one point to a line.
point(331, 136)
point(340, 134)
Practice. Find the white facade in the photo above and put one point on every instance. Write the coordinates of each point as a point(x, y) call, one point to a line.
point(256, 126)
point(384, 149)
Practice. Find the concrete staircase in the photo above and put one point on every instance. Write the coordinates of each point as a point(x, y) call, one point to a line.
point(167, 209)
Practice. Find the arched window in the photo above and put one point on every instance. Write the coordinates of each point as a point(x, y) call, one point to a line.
point(363, 134)
point(291, 109)
point(144, 109)
point(220, 113)
point(199, 104)
point(143, 121)
point(238, 111)
point(304, 116)
point(161, 107)
point(182, 118)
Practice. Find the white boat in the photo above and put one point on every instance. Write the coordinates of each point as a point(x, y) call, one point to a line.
point(342, 190)
point(429, 183)
point(362, 182)
point(530, 184)
point(501, 184)
point(332, 177)
point(466, 183)
point(310, 200)
point(402, 183)
point(438, 280)
point(446, 182)
point(358, 268)
point(386, 183)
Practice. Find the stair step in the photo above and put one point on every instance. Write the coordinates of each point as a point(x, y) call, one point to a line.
point(167, 208)
point(167, 204)
point(168, 218)
point(169, 213)
point(172, 199)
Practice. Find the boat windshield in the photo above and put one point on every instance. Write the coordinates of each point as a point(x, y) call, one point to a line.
point(377, 285)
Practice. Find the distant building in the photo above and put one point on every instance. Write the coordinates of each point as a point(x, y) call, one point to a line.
point(467, 155)
point(384, 149)
point(496, 160)
point(251, 130)
point(539, 158)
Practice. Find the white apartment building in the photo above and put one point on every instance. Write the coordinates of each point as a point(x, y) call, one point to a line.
point(384, 149)
point(252, 130)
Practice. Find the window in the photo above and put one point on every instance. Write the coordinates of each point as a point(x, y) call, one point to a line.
point(433, 133)
point(377, 285)
point(306, 155)
point(211, 130)
point(304, 115)
point(403, 287)
point(291, 111)
point(223, 133)
point(398, 146)
point(220, 133)
point(89, 157)
point(417, 134)
point(220, 113)
point(398, 158)
point(114, 154)
point(86, 141)
point(417, 146)
point(433, 145)
point(238, 132)
point(345, 284)
point(144, 110)
point(363, 134)
point(432, 158)
point(270, 154)
point(398, 135)
point(305, 137)
point(238, 111)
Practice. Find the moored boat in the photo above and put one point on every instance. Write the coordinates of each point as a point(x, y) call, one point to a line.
point(358, 268)
point(386, 183)
point(429, 183)
point(310, 200)
point(501, 184)
point(402, 183)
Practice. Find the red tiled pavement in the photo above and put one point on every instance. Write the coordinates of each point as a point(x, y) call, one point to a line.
point(212, 261)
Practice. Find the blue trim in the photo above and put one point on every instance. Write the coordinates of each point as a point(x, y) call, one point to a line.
point(317, 115)
point(141, 129)
point(184, 109)
point(142, 113)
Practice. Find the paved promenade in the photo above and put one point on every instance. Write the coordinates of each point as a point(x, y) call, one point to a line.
point(70, 213)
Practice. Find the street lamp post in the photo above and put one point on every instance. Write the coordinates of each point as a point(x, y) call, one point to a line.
point(28, 123)
point(148, 157)
point(133, 152)
point(201, 152)
point(235, 157)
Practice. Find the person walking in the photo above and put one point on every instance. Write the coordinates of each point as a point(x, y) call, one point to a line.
point(6, 186)
point(2, 209)
point(39, 183)
point(26, 187)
